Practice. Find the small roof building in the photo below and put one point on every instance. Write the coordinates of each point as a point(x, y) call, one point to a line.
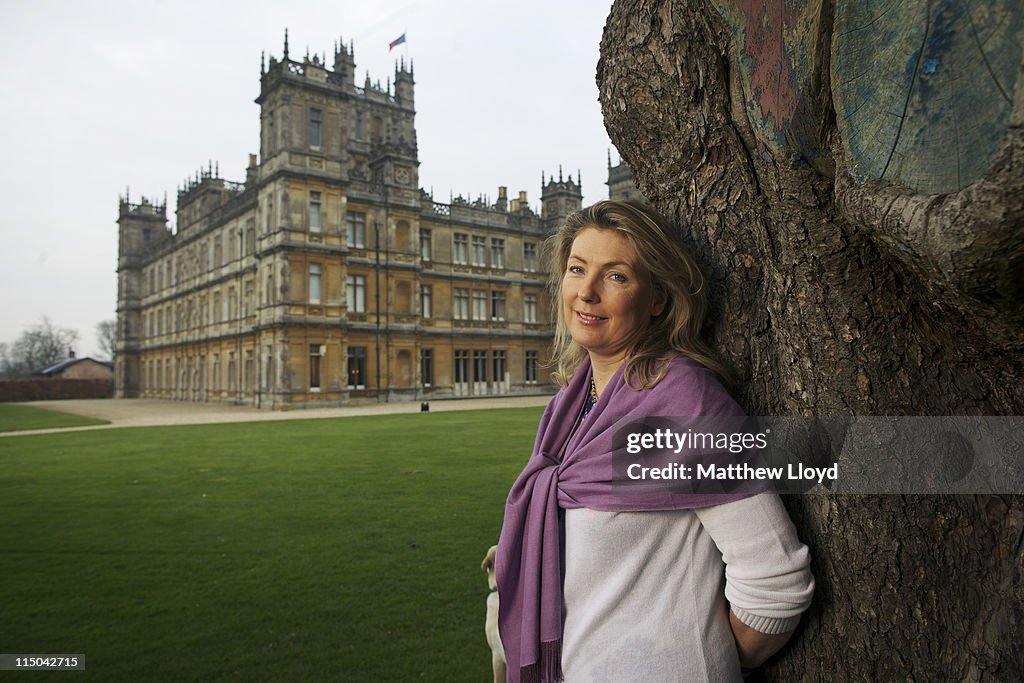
point(78, 368)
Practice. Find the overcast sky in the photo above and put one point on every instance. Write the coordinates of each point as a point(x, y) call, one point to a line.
point(102, 96)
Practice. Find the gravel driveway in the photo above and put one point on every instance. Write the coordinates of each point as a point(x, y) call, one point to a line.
point(145, 412)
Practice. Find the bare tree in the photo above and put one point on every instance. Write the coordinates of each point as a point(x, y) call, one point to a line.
point(849, 173)
point(106, 334)
point(39, 346)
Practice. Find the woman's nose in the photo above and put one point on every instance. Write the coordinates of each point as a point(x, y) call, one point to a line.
point(587, 291)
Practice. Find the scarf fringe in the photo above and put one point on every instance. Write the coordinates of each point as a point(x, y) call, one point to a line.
point(548, 669)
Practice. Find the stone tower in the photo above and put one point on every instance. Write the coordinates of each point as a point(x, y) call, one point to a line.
point(559, 198)
point(621, 185)
point(141, 227)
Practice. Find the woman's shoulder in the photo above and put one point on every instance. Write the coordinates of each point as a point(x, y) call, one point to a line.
point(680, 368)
point(694, 388)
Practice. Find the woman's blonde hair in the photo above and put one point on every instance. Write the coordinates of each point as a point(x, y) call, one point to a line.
point(674, 276)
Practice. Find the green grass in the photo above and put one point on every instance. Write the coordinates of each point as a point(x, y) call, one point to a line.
point(14, 418)
point(343, 549)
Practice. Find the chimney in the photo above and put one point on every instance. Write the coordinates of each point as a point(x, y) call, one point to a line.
point(252, 172)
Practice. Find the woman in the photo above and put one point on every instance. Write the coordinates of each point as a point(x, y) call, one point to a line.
point(606, 586)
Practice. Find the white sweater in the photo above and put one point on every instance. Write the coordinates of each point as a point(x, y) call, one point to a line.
point(646, 598)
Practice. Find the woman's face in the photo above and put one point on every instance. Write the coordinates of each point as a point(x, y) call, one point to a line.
point(607, 298)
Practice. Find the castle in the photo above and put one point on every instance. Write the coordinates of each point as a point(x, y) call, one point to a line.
point(328, 276)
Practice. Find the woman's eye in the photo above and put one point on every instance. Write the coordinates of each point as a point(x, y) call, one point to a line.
point(575, 269)
point(618, 277)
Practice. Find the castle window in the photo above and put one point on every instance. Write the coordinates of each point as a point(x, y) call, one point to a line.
point(355, 293)
point(461, 367)
point(531, 367)
point(314, 127)
point(314, 212)
point(424, 244)
point(497, 305)
point(529, 308)
point(529, 257)
point(427, 367)
point(480, 367)
point(479, 304)
point(426, 300)
point(498, 366)
point(479, 251)
point(497, 253)
point(250, 374)
point(232, 373)
point(271, 141)
point(460, 255)
point(359, 125)
point(357, 367)
point(314, 283)
point(460, 309)
point(314, 367)
point(247, 299)
point(355, 222)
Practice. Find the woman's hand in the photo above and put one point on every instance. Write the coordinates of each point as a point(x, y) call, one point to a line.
point(754, 647)
point(488, 563)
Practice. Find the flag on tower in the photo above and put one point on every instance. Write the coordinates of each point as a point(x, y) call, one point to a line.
point(396, 42)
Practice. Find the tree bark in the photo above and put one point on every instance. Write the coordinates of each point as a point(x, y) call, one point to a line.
point(840, 288)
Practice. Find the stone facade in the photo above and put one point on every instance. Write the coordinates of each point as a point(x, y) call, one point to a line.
point(329, 276)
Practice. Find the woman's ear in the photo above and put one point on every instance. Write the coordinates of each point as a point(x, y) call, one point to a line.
point(659, 302)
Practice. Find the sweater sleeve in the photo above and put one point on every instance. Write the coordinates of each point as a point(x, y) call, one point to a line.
point(768, 580)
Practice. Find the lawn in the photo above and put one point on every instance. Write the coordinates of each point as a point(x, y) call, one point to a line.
point(15, 418)
point(339, 549)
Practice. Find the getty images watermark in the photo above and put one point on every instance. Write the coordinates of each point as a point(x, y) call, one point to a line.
point(865, 455)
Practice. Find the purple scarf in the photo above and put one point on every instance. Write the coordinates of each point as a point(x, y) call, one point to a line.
point(573, 469)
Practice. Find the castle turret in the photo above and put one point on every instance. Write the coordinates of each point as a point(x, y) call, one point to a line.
point(621, 185)
point(560, 197)
point(404, 84)
point(344, 66)
point(141, 227)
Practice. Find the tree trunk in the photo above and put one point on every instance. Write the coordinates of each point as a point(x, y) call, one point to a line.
point(850, 179)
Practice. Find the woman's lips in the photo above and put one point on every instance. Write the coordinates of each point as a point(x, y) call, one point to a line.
point(587, 319)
